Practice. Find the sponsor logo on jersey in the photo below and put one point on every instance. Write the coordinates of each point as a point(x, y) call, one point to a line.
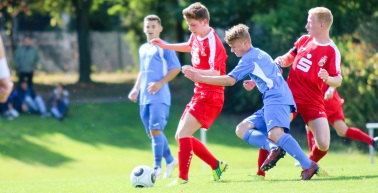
point(196, 59)
point(322, 61)
point(304, 64)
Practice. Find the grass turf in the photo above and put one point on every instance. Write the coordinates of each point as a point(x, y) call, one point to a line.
point(97, 146)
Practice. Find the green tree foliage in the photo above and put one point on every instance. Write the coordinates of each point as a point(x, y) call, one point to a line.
point(132, 13)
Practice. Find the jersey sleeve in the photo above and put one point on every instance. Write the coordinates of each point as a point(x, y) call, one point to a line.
point(334, 67)
point(293, 51)
point(172, 60)
point(243, 69)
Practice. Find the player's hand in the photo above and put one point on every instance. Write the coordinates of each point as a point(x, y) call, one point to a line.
point(323, 74)
point(329, 93)
point(192, 74)
point(186, 68)
point(133, 95)
point(158, 42)
point(249, 85)
point(280, 60)
point(154, 87)
point(6, 86)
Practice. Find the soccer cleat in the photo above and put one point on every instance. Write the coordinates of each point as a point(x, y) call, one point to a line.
point(375, 143)
point(157, 171)
point(273, 157)
point(220, 169)
point(259, 178)
point(169, 168)
point(309, 172)
point(178, 181)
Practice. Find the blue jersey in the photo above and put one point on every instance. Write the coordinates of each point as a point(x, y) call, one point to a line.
point(266, 74)
point(154, 63)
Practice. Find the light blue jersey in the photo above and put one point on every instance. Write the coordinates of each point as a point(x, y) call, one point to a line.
point(154, 63)
point(266, 74)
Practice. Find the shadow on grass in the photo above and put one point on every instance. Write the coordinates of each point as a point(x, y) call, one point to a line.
point(331, 178)
point(116, 123)
point(31, 153)
point(113, 124)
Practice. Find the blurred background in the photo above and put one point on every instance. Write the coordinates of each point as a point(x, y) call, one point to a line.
point(80, 40)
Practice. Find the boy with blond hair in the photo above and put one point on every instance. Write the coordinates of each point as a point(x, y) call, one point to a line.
point(272, 122)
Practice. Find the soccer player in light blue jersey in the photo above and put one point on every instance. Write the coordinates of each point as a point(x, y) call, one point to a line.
point(269, 127)
point(157, 67)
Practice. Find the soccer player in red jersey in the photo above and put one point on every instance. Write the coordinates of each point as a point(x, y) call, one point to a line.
point(335, 114)
point(208, 58)
point(6, 85)
point(315, 60)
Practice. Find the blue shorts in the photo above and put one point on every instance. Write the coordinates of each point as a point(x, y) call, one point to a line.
point(271, 116)
point(154, 116)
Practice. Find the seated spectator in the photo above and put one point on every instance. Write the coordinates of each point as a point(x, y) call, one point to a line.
point(59, 101)
point(24, 99)
point(7, 113)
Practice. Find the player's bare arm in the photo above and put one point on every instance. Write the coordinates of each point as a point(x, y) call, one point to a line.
point(179, 47)
point(133, 95)
point(224, 80)
point(285, 60)
point(200, 71)
point(334, 81)
point(154, 87)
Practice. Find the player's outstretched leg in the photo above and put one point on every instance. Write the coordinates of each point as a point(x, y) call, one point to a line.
point(273, 157)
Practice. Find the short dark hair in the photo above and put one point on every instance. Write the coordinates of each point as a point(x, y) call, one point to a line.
point(153, 18)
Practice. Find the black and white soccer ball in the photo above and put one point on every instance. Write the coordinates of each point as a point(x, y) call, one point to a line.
point(142, 177)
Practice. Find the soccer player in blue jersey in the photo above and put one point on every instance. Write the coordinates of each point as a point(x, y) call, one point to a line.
point(272, 122)
point(157, 67)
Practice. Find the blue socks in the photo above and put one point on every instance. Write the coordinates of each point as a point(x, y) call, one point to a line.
point(167, 152)
point(258, 139)
point(161, 149)
point(291, 146)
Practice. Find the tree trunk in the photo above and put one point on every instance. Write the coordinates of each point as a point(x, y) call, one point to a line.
point(82, 26)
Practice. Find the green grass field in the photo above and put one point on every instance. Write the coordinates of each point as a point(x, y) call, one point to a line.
point(97, 146)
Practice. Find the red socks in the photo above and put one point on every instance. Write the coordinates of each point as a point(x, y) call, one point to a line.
point(357, 134)
point(188, 146)
point(262, 157)
point(316, 154)
point(203, 153)
point(310, 140)
point(185, 156)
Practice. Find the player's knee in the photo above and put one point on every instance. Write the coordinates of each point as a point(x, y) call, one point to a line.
point(155, 132)
point(323, 145)
point(341, 133)
point(240, 130)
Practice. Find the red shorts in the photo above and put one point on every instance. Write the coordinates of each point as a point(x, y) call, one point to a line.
point(205, 107)
point(310, 112)
point(335, 113)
